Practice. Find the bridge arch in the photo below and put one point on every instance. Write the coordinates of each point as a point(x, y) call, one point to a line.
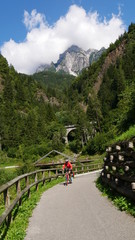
point(69, 128)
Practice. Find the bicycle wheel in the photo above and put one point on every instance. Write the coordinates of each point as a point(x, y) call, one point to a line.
point(67, 178)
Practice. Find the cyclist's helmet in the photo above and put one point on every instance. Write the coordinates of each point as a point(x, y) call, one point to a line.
point(66, 160)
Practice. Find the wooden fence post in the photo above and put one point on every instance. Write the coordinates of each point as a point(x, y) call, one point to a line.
point(27, 185)
point(43, 176)
point(49, 174)
point(18, 190)
point(82, 169)
point(6, 198)
point(36, 179)
point(7, 204)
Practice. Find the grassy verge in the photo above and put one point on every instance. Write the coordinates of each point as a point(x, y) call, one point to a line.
point(121, 202)
point(129, 134)
point(17, 228)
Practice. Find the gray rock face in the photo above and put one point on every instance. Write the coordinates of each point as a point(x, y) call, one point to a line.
point(95, 55)
point(74, 59)
point(46, 67)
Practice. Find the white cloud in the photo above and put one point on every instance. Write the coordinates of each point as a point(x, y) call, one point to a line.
point(33, 20)
point(44, 43)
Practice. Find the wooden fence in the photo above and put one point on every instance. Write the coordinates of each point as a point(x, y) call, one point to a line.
point(119, 168)
point(22, 184)
point(55, 164)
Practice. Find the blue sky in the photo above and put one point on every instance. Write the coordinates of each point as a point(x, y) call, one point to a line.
point(28, 28)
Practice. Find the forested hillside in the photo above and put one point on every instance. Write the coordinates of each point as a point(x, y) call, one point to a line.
point(54, 82)
point(100, 102)
point(27, 115)
point(107, 89)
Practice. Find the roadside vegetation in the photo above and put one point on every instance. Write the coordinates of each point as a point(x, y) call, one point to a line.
point(17, 228)
point(8, 174)
point(121, 202)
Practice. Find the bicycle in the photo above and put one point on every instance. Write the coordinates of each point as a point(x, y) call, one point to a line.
point(68, 176)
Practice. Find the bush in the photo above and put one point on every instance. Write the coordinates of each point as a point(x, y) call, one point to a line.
point(7, 175)
point(31, 153)
point(97, 144)
point(75, 146)
point(25, 169)
point(11, 152)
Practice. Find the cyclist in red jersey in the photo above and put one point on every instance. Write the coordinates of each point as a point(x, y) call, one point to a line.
point(68, 166)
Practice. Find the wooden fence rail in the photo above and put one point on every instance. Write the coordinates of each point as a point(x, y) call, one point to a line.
point(54, 164)
point(33, 179)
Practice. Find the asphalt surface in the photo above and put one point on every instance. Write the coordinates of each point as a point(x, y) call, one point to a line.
point(79, 212)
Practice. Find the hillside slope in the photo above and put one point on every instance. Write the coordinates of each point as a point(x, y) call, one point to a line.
point(106, 89)
point(27, 112)
point(100, 102)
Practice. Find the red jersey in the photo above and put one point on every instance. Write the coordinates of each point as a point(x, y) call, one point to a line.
point(67, 165)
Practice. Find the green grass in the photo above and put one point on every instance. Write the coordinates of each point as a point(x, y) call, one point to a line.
point(6, 161)
point(7, 175)
point(121, 202)
point(129, 134)
point(95, 158)
point(17, 228)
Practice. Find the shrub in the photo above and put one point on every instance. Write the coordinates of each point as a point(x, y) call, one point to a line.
point(11, 152)
point(7, 175)
point(97, 144)
point(75, 146)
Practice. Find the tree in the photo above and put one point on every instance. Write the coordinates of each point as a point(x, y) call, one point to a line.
point(4, 69)
point(94, 113)
point(126, 108)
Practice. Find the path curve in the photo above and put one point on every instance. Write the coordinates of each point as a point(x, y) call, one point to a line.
point(79, 212)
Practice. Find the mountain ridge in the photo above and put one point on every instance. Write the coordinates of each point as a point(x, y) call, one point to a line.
point(73, 60)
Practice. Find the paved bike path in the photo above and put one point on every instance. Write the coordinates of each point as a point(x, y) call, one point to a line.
point(79, 212)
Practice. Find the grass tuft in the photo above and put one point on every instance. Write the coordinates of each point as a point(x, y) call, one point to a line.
point(121, 202)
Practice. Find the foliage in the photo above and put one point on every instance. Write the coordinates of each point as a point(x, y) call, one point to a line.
point(26, 120)
point(54, 83)
point(75, 146)
point(33, 124)
point(112, 110)
point(97, 144)
point(121, 202)
point(7, 175)
point(126, 107)
point(129, 134)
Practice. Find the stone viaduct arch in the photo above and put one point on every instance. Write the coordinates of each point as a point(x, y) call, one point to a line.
point(69, 128)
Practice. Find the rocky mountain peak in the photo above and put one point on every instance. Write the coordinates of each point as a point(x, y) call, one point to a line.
point(73, 60)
